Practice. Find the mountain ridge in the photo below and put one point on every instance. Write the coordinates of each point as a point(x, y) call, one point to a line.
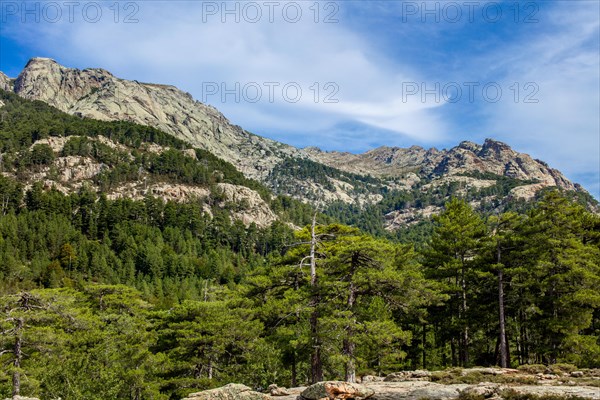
point(97, 93)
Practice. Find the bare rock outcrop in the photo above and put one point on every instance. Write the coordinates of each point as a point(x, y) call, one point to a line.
point(251, 208)
point(278, 391)
point(56, 143)
point(77, 168)
point(418, 375)
point(491, 383)
point(248, 207)
point(408, 216)
point(164, 191)
point(415, 390)
point(5, 83)
point(232, 391)
point(336, 390)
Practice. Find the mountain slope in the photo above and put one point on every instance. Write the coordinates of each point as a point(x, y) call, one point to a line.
point(491, 172)
point(40, 145)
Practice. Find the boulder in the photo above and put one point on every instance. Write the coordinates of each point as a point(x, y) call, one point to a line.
point(485, 389)
point(336, 390)
point(232, 391)
point(275, 390)
point(418, 375)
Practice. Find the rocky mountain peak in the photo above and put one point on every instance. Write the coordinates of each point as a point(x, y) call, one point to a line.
point(41, 60)
point(470, 146)
point(495, 149)
point(96, 93)
point(44, 79)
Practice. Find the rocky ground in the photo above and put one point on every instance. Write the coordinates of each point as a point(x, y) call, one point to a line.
point(464, 384)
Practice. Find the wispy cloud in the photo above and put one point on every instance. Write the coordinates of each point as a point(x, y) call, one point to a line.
point(563, 126)
point(189, 48)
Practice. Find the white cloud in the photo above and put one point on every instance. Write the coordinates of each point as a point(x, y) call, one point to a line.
point(172, 44)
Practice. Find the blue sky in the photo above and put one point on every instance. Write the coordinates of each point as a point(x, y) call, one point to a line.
point(350, 75)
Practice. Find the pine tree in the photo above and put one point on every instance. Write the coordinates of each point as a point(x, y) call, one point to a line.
point(563, 273)
point(454, 246)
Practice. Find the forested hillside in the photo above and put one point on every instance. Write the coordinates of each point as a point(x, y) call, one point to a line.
point(117, 297)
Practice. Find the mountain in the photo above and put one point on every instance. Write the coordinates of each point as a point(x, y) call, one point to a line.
point(490, 173)
point(492, 158)
point(96, 93)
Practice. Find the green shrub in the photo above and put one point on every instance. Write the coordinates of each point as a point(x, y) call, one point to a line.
point(450, 375)
point(472, 378)
point(441, 376)
point(464, 395)
point(533, 368)
point(560, 368)
point(516, 379)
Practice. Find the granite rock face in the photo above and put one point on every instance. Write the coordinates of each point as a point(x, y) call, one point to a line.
point(5, 83)
point(96, 93)
point(232, 391)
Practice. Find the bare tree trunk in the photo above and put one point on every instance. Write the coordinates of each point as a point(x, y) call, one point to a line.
point(349, 346)
point(315, 360)
point(16, 376)
point(294, 372)
point(313, 245)
point(453, 352)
